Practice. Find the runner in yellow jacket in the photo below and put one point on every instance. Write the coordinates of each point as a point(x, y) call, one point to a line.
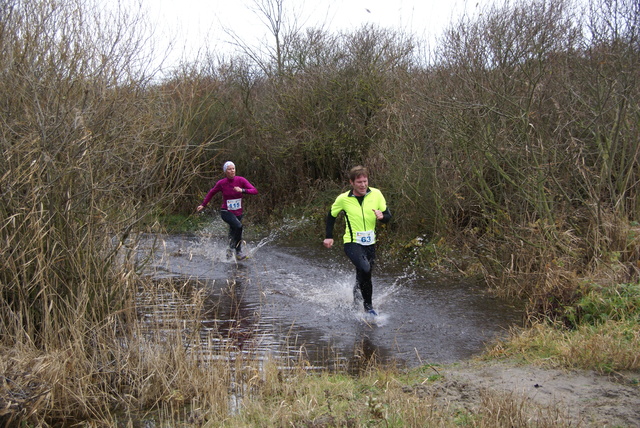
point(363, 207)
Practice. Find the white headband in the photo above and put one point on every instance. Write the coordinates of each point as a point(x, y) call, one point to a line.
point(226, 165)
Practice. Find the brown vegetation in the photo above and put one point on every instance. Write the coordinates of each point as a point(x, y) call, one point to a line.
point(514, 146)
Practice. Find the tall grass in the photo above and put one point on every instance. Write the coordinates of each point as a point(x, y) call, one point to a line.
point(158, 365)
point(86, 155)
point(599, 332)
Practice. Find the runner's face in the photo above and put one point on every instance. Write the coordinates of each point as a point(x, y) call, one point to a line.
point(231, 171)
point(360, 185)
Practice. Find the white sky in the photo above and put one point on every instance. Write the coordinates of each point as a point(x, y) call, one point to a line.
point(194, 24)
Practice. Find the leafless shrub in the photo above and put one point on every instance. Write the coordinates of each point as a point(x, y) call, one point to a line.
point(539, 129)
point(515, 145)
point(88, 150)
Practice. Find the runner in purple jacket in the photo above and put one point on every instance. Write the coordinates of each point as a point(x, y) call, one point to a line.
point(233, 188)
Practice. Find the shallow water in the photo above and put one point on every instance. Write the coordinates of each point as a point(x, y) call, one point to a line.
point(293, 301)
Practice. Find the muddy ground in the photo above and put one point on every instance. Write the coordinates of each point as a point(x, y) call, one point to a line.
point(548, 397)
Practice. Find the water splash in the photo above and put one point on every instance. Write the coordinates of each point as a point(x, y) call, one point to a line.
point(287, 227)
point(212, 242)
point(286, 297)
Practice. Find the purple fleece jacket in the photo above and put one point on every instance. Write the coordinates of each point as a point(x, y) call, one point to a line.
point(226, 186)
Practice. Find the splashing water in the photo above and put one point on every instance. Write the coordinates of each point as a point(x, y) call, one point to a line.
point(213, 238)
point(292, 296)
point(288, 226)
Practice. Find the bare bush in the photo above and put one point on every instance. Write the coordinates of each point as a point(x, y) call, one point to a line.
point(88, 150)
point(517, 144)
point(540, 157)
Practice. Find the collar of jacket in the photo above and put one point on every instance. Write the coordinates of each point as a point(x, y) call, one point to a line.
point(365, 193)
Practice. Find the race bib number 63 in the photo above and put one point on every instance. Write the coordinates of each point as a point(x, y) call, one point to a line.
point(366, 238)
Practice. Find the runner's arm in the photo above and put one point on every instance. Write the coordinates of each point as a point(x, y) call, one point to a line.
point(215, 189)
point(386, 216)
point(330, 222)
point(248, 188)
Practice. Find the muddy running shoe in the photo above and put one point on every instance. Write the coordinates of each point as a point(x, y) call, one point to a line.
point(229, 254)
point(369, 310)
point(240, 255)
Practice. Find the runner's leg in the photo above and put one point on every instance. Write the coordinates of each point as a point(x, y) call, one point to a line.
point(363, 259)
point(235, 229)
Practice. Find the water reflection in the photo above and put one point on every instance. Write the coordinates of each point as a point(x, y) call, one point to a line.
point(294, 303)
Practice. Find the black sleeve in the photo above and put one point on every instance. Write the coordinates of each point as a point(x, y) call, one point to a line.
point(386, 216)
point(331, 221)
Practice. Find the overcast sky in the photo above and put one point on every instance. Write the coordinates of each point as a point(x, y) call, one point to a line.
point(193, 24)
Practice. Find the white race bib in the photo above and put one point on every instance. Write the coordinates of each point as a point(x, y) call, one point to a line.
point(234, 204)
point(366, 238)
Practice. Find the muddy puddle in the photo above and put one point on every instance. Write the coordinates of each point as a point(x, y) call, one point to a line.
point(294, 301)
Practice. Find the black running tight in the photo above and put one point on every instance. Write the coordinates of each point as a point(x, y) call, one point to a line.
point(362, 256)
point(235, 229)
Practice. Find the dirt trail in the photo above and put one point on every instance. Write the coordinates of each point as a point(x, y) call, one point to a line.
point(583, 398)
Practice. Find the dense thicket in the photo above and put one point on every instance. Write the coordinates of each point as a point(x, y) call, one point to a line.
point(511, 148)
point(513, 145)
point(88, 148)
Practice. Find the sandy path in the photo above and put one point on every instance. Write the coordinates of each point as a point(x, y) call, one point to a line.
point(581, 398)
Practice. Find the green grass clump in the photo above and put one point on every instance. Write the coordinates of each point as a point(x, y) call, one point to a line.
point(620, 302)
point(600, 331)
